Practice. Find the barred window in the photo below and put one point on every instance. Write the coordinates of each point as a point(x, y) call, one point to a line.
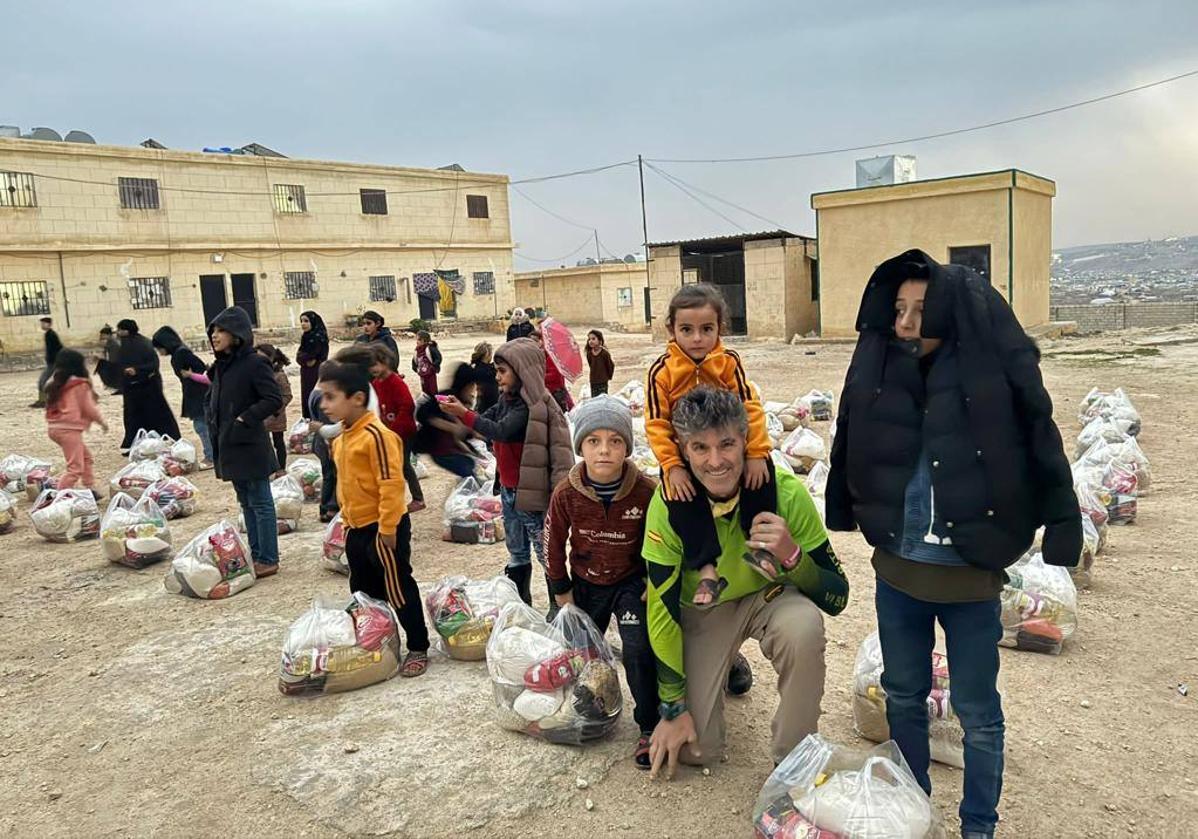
point(382, 288)
point(16, 190)
point(150, 292)
point(484, 282)
point(476, 206)
point(289, 198)
point(299, 285)
point(138, 193)
point(30, 298)
point(374, 201)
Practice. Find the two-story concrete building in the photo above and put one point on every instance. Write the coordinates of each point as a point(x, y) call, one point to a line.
point(90, 234)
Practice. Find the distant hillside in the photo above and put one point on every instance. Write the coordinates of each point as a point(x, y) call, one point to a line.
point(1175, 254)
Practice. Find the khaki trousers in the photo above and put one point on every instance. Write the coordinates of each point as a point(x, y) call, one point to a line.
point(790, 629)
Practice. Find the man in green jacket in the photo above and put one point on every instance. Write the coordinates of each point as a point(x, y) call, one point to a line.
point(777, 582)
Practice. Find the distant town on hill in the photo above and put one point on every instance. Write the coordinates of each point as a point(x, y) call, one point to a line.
point(1149, 271)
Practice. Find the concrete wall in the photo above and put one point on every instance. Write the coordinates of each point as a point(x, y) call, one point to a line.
point(665, 277)
point(588, 294)
point(1125, 315)
point(85, 247)
point(858, 229)
point(778, 288)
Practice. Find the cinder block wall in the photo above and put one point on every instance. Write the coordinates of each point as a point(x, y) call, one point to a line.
point(1126, 315)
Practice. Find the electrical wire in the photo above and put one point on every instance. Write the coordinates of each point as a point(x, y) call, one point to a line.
point(585, 242)
point(745, 210)
point(594, 230)
point(937, 135)
point(670, 180)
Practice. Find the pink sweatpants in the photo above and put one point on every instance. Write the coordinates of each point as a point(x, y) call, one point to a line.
point(79, 458)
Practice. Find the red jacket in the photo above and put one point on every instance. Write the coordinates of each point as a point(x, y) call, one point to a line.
point(554, 380)
point(396, 408)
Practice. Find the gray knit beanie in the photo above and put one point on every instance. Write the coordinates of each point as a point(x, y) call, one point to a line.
point(602, 412)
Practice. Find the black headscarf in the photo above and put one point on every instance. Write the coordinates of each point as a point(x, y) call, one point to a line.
point(315, 342)
point(128, 325)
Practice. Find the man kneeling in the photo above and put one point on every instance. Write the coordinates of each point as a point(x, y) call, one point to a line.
point(776, 603)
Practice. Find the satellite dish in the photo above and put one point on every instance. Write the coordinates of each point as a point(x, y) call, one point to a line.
point(45, 134)
point(629, 259)
point(79, 137)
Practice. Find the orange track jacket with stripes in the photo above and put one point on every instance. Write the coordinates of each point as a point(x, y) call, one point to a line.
point(673, 375)
point(370, 484)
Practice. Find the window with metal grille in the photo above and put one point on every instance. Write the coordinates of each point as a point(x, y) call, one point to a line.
point(289, 198)
point(484, 282)
point(374, 201)
point(299, 285)
point(16, 190)
point(382, 288)
point(476, 206)
point(138, 193)
point(18, 299)
point(150, 292)
point(623, 297)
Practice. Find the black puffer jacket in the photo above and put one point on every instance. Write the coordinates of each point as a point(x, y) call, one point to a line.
point(244, 395)
point(983, 416)
point(183, 360)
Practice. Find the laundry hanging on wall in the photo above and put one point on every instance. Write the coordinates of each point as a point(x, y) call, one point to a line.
point(427, 286)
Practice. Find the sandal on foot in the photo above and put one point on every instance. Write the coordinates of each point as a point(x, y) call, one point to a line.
point(417, 506)
point(641, 755)
point(712, 588)
point(764, 563)
point(414, 664)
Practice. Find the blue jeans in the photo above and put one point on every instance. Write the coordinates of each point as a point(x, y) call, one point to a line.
point(523, 531)
point(201, 426)
point(261, 525)
point(906, 628)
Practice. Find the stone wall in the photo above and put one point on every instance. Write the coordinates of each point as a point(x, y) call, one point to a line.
point(1125, 315)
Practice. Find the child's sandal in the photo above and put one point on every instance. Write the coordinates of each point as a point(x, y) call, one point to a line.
point(414, 664)
point(712, 588)
point(641, 755)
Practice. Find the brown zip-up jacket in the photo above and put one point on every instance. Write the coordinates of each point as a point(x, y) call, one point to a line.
point(605, 541)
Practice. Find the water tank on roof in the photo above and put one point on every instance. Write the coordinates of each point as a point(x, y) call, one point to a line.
point(885, 170)
point(10, 131)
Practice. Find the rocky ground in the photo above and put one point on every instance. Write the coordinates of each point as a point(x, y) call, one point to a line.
point(132, 712)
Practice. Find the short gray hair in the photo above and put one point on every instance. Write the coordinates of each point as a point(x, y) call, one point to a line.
point(709, 409)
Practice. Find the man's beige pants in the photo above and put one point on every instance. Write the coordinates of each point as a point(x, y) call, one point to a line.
point(790, 630)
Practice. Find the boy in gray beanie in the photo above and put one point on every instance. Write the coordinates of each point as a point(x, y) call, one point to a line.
point(598, 513)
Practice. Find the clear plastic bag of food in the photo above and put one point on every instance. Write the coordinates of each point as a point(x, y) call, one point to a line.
point(309, 476)
point(645, 460)
point(8, 512)
point(134, 532)
point(1099, 428)
point(1129, 455)
point(463, 612)
point(176, 497)
point(289, 504)
point(66, 515)
point(1039, 606)
point(15, 469)
point(774, 428)
point(1115, 406)
point(633, 395)
point(825, 791)
point(180, 459)
point(134, 477)
point(332, 547)
point(803, 449)
point(819, 403)
point(946, 738)
point(214, 565)
point(1122, 509)
point(340, 644)
point(473, 516)
point(817, 480)
point(40, 479)
point(556, 681)
point(1083, 572)
point(149, 445)
point(299, 438)
point(1092, 507)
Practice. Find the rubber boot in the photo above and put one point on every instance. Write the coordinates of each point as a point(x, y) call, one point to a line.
point(521, 575)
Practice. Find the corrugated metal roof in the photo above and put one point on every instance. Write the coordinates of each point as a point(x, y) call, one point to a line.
point(735, 238)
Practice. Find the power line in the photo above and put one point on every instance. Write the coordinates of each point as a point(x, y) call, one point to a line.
point(560, 217)
point(585, 243)
point(745, 210)
point(678, 186)
point(953, 132)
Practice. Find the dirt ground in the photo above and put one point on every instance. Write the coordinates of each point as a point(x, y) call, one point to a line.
point(131, 712)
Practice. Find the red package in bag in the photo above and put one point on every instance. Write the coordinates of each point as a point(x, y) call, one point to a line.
point(372, 626)
point(552, 673)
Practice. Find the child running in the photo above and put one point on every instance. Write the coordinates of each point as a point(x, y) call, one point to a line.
point(441, 436)
point(533, 453)
point(426, 362)
point(696, 356)
point(397, 411)
point(378, 530)
point(276, 424)
point(71, 409)
point(599, 362)
point(599, 511)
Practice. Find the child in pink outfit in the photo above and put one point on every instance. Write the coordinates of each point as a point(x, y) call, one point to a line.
point(71, 409)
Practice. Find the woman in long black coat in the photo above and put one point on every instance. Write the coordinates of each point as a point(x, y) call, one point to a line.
point(141, 386)
point(313, 351)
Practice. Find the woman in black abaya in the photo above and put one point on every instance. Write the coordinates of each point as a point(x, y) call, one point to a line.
point(141, 386)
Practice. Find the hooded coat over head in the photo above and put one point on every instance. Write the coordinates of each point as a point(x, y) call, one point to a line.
point(183, 360)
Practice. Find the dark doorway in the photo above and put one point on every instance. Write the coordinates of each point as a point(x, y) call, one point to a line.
point(212, 295)
point(243, 295)
point(428, 308)
point(722, 264)
point(648, 306)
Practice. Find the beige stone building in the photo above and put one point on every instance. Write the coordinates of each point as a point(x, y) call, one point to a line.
point(768, 279)
point(612, 294)
point(999, 223)
point(90, 234)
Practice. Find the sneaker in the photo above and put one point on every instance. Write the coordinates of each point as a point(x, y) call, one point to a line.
point(417, 506)
point(265, 569)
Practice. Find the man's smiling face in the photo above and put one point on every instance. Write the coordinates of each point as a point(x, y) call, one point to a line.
point(717, 457)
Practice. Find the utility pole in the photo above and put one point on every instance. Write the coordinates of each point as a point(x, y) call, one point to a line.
point(640, 165)
point(598, 258)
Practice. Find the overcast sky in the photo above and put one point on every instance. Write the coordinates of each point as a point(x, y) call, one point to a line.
point(534, 87)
